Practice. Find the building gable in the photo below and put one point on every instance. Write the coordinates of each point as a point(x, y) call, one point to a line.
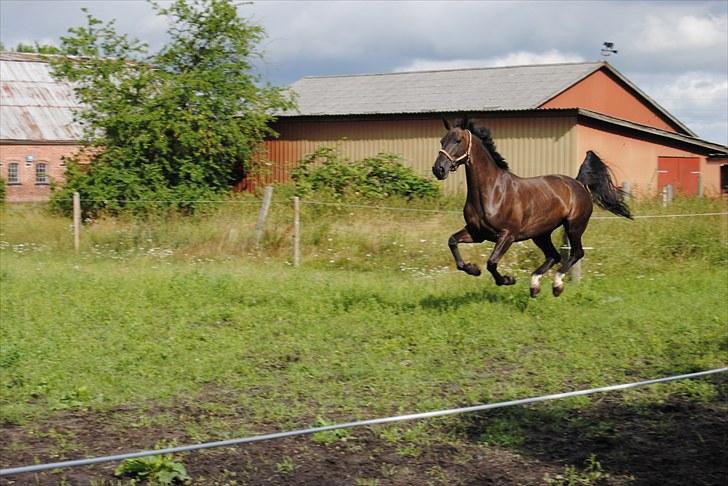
point(604, 91)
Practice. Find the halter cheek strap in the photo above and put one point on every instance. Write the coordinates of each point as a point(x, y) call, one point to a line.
point(465, 155)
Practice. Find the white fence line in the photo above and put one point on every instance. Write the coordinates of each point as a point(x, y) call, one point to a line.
point(378, 208)
point(349, 425)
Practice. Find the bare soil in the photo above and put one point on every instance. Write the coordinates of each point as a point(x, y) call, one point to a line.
point(678, 442)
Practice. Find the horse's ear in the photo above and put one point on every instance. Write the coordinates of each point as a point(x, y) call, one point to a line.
point(446, 123)
point(465, 121)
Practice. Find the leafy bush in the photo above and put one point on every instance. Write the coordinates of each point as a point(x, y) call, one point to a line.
point(2, 191)
point(108, 188)
point(327, 171)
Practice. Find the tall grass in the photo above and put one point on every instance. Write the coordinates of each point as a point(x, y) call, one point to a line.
point(376, 320)
point(405, 234)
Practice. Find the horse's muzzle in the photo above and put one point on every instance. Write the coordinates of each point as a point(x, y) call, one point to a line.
point(441, 169)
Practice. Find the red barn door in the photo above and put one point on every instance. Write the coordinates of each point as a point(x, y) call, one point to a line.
point(680, 172)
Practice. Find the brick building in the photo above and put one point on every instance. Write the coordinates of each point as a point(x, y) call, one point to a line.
point(36, 127)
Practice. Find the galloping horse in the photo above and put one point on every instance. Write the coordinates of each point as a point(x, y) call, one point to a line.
point(504, 208)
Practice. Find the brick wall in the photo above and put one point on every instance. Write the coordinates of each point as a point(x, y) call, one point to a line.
point(28, 189)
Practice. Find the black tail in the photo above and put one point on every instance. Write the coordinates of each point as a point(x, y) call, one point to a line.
point(594, 174)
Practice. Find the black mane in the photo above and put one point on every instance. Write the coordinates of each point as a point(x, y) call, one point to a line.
point(484, 135)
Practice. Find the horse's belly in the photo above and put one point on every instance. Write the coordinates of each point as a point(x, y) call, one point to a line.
point(480, 232)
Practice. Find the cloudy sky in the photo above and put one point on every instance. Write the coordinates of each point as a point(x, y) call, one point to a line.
point(675, 51)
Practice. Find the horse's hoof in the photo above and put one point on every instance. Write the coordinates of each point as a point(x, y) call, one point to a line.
point(558, 290)
point(471, 269)
point(508, 280)
point(535, 291)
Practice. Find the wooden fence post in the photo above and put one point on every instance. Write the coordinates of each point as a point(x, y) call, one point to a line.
point(260, 225)
point(296, 231)
point(76, 221)
point(701, 190)
point(626, 190)
point(667, 195)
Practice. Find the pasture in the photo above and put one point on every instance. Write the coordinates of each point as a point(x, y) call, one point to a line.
point(179, 330)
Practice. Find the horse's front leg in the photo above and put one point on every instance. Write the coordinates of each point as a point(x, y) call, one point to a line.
point(505, 240)
point(463, 236)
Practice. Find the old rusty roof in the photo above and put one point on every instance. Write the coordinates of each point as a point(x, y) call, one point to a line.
point(33, 105)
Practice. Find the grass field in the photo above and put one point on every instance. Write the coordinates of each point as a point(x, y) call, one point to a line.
point(179, 330)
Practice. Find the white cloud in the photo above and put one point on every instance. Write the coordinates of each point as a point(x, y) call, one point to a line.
point(699, 99)
point(696, 91)
point(519, 58)
point(683, 33)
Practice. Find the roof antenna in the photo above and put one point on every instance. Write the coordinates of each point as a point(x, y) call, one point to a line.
point(608, 49)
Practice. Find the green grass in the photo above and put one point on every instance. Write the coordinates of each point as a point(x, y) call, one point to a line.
point(374, 322)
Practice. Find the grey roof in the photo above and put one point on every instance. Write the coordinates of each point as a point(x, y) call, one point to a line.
point(457, 90)
point(480, 89)
point(33, 105)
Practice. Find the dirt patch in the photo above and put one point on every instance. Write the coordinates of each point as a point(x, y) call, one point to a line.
point(677, 442)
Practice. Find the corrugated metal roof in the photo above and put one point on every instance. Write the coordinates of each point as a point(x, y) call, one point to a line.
point(482, 89)
point(33, 105)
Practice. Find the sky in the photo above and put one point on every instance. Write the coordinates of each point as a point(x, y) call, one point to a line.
point(675, 51)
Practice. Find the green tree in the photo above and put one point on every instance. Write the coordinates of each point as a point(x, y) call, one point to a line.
point(179, 125)
point(35, 47)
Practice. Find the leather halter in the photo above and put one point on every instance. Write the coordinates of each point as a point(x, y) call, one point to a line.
point(463, 156)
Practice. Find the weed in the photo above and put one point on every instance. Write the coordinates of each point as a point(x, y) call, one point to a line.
point(389, 471)
point(502, 431)
point(367, 482)
point(329, 437)
point(158, 470)
point(591, 475)
point(286, 466)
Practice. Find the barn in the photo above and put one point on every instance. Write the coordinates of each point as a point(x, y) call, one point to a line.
point(543, 119)
point(37, 129)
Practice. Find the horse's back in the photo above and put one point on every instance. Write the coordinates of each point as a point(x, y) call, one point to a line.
point(548, 201)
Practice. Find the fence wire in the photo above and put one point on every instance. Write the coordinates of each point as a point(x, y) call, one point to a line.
point(349, 425)
point(369, 207)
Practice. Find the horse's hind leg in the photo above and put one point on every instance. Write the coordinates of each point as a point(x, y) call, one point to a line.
point(552, 258)
point(463, 236)
point(574, 231)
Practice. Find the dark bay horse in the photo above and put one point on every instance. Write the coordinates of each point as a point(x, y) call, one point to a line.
point(504, 208)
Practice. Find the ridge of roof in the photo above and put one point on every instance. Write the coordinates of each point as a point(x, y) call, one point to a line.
point(451, 70)
point(13, 56)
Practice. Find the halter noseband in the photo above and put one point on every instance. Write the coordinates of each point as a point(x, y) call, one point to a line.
point(463, 156)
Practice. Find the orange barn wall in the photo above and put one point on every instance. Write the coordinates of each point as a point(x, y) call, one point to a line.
point(635, 160)
point(602, 93)
point(27, 190)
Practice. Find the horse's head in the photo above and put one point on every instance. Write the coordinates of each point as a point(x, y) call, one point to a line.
point(456, 145)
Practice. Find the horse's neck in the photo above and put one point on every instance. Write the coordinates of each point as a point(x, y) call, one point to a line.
point(481, 173)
